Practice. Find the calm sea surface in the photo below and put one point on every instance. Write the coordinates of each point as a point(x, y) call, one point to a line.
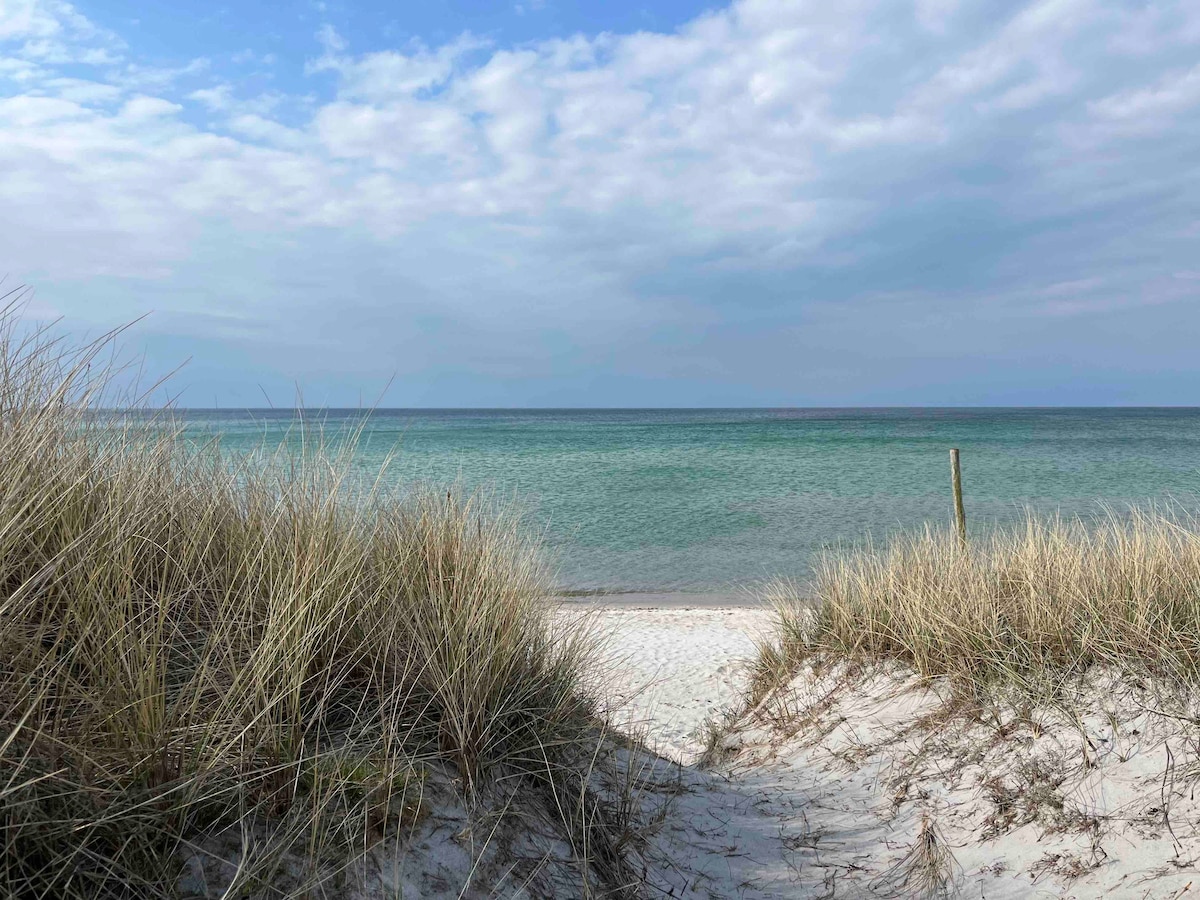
point(707, 500)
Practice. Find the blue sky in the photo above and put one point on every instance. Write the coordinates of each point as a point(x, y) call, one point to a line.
point(582, 204)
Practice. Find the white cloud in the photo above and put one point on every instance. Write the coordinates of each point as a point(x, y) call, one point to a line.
point(138, 77)
point(388, 74)
point(257, 128)
point(54, 32)
point(138, 108)
point(602, 177)
point(1173, 93)
point(731, 123)
point(81, 90)
point(217, 98)
point(36, 19)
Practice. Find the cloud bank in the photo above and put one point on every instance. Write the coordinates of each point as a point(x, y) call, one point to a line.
point(777, 203)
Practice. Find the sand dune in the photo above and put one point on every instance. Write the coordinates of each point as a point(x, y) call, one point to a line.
point(860, 785)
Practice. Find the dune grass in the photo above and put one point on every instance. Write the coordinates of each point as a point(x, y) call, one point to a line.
point(191, 643)
point(1037, 602)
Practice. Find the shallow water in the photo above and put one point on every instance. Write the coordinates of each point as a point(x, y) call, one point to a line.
point(711, 500)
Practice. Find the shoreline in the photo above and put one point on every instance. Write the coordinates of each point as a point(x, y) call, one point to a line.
point(732, 599)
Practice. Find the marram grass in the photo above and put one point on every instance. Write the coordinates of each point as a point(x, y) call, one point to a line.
point(190, 643)
point(1049, 597)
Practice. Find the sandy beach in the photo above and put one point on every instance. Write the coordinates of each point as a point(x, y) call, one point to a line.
point(829, 791)
point(734, 450)
point(848, 784)
point(676, 668)
point(727, 600)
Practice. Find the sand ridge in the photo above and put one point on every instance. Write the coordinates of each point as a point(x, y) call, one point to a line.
point(830, 789)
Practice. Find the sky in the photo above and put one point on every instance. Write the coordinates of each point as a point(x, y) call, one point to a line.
point(550, 203)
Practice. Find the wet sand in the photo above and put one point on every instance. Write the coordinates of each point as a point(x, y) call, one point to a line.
point(666, 600)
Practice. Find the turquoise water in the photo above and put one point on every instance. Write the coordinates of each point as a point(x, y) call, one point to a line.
point(708, 500)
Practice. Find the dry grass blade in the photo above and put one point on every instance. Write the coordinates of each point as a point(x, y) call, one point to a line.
point(193, 645)
point(1028, 605)
point(928, 871)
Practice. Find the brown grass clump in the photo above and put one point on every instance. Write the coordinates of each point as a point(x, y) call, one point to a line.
point(191, 643)
point(928, 871)
point(1045, 599)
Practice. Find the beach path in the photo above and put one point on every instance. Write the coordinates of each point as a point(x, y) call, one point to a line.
point(835, 806)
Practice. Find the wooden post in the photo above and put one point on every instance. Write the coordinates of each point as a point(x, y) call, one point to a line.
point(960, 515)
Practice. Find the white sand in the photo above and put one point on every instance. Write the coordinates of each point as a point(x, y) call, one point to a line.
point(826, 793)
point(673, 669)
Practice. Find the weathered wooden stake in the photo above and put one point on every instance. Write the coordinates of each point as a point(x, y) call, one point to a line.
point(960, 515)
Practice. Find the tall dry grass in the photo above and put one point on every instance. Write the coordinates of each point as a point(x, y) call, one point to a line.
point(1049, 597)
point(190, 642)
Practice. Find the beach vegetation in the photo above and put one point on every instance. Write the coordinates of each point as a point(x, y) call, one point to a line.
point(1026, 605)
point(195, 646)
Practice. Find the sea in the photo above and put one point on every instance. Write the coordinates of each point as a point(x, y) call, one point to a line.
point(720, 500)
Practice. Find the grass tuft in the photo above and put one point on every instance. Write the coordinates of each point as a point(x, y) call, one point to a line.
point(928, 871)
point(1036, 603)
point(193, 645)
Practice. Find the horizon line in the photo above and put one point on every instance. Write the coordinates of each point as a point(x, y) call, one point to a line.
point(971, 406)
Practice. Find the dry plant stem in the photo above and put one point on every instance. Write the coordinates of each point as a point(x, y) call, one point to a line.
point(1029, 606)
point(928, 871)
point(191, 643)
